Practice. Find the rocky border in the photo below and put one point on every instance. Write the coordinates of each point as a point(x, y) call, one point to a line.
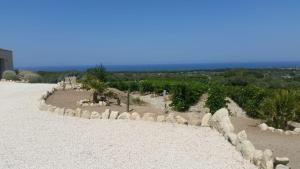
point(219, 120)
point(265, 127)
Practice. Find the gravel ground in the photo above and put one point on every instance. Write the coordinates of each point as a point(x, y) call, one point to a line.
point(30, 139)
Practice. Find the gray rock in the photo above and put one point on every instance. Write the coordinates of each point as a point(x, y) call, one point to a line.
point(205, 120)
point(263, 126)
point(113, 115)
point(124, 116)
point(247, 149)
point(281, 160)
point(148, 117)
point(280, 166)
point(95, 115)
point(267, 161)
point(105, 114)
point(161, 118)
point(135, 116)
point(181, 120)
point(221, 122)
point(86, 114)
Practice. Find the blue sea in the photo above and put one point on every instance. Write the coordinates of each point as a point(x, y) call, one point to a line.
point(170, 67)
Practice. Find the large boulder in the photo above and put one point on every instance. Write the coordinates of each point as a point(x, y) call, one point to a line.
point(105, 114)
point(124, 116)
point(205, 120)
point(247, 149)
point(171, 118)
point(149, 117)
point(95, 115)
point(181, 120)
point(267, 161)
point(263, 126)
point(161, 118)
point(135, 116)
point(113, 115)
point(86, 114)
point(221, 121)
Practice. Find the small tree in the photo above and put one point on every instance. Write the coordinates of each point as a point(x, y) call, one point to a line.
point(9, 75)
point(280, 108)
point(216, 98)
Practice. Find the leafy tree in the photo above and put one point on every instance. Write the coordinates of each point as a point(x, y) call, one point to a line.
point(280, 108)
point(216, 98)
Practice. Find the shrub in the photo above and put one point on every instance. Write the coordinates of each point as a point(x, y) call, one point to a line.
point(29, 76)
point(146, 86)
point(216, 98)
point(9, 75)
point(280, 108)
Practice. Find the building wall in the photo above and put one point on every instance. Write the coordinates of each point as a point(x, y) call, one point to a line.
point(6, 60)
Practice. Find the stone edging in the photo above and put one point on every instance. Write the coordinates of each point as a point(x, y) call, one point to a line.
point(265, 127)
point(219, 121)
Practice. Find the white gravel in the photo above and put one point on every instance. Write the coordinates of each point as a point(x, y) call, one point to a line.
point(31, 139)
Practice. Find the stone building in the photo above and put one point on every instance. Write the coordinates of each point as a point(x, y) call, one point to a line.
point(6, 60)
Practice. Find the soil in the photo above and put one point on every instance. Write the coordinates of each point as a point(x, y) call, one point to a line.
point(282, 145)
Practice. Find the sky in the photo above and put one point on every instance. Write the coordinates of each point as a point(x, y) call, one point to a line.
point(122, 32)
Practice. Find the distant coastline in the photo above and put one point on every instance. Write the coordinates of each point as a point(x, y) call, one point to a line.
point(171, 67)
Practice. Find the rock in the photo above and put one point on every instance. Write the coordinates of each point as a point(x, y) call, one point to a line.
point(257, 157)
point(113, 115)
point(60, 111)
point(267, 161)
point(271, 129)
point(242, 136)
point(105, 114)
point(161, 118)
point(231, 137)
point(124, 116)
point(70, 112)
point(280, 131)
point(181, 120)
point(171, 118)
point(86, 114)
point(281, 160)
point(95, 115)
point(205, 120)
point(194, 119)
point(235, 109)
point(78, 112)
point(221, 122)
point(247, 149)
point(263, 126)
point(148, 117)
point(43, 106)
point(135, 116)
point(288, 132)
point(51, 108)
point(280, 166)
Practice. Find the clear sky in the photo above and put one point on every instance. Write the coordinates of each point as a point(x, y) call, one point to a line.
point(88, 32)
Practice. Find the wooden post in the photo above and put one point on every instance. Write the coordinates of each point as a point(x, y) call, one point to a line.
point(128, 92)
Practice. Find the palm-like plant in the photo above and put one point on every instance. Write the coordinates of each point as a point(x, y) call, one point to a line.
point(281, 108)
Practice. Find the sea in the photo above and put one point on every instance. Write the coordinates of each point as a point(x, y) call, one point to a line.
point(170, 67)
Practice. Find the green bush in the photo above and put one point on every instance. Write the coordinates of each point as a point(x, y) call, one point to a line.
point(9, 75)
point(281, 107)
point(216, 98)
point(29, 76)
point(145, 87)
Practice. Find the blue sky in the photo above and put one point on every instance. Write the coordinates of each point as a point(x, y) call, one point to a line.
point(88, 32)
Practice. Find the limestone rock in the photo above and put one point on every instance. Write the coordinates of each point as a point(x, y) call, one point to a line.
point(60, 111)
point(171, 118)
point(51, 108)
point(70, 112)
point(181, 120)
point(232, 138)
point(148, 117)
point(263, 126)
point(194, 119)
point(297, 130)
point(105, 114)
point(135, 116)
point(280, 166)
point(242, 136)
point(113, 115)
point(78, 112)
point(281, 160)
point(124, 116)
point(271, 129)
point(86, 114)
point(267, 161)
point(280, 131)
point(221, 121)
point(95, 115)
point(161, 118)
point(247, 150)
point(257, 157)
point(205, 120)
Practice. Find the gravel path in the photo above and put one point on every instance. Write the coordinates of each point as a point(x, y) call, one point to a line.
point(30, 139)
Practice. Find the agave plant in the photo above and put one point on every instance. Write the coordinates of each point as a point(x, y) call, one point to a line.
point(280, 108)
